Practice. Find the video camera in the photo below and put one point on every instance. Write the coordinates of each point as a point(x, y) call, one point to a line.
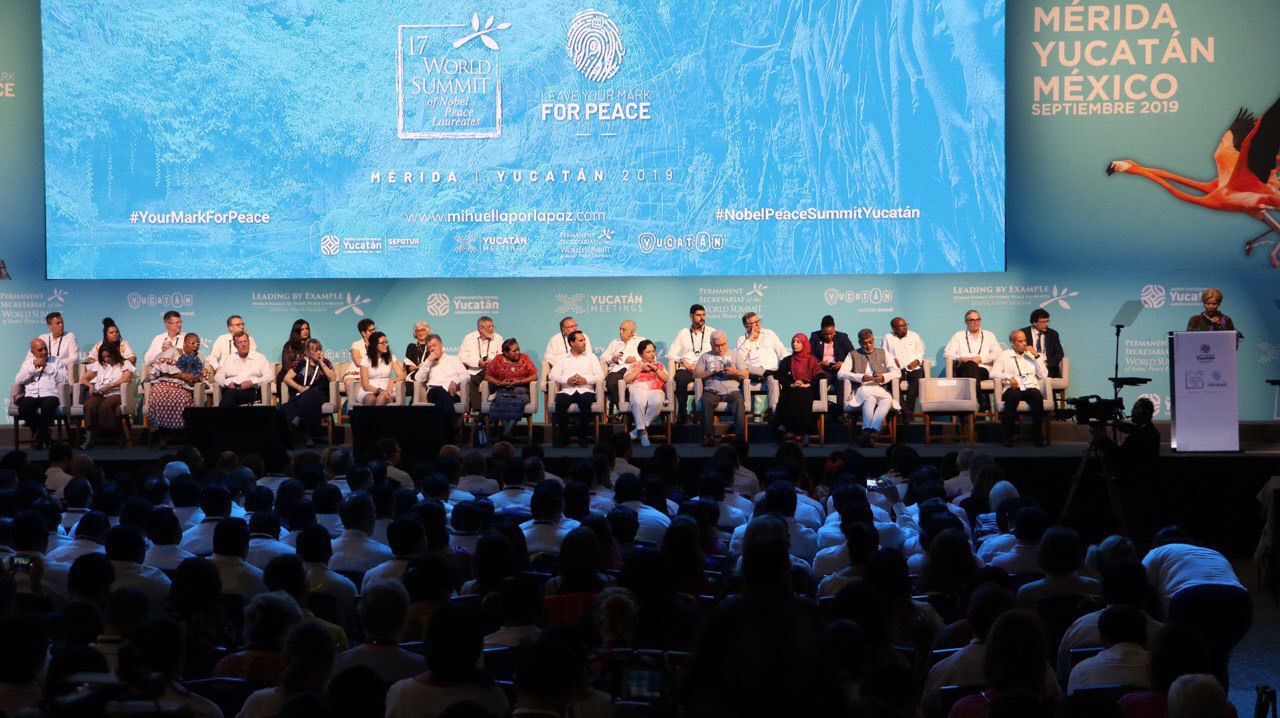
point(1095, 410)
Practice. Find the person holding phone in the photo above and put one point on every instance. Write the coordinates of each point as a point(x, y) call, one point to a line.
point(308, 379)
point(646, 385)
point(722, 373)
point(105, 379)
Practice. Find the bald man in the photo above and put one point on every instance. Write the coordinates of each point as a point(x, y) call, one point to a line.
point(618, 357)
point(1025, 372)
point(38, 379)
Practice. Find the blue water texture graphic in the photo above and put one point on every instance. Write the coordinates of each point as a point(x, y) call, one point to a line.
point(315, 113)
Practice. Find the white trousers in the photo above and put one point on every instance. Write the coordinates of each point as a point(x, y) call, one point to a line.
point(646, 404)
point(876, 404)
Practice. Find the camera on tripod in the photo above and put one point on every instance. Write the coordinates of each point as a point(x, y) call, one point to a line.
point(1095, 410)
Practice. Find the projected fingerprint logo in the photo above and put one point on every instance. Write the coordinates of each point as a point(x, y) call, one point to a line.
point(595, 45)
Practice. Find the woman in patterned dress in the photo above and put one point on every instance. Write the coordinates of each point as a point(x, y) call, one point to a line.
point(174, 376)
point(509, 375)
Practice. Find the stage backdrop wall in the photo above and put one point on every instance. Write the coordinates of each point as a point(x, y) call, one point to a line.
point(1080, 242)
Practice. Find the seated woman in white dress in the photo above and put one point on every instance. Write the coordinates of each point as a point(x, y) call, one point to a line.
point(379, 371)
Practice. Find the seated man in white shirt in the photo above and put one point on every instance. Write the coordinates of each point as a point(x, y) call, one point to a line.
point(224, 346)
point(760, 348)
point(169, 338)
point(230, 547)
point(127, 550)
point(165, 533)
point(690, 343)
point(443, 375)
point(722, 373)
point(355, 550)
point(780, 500)
point(1029, 526)
point(618, 357)
point(407, 539)
point(964, 667)
point(577, 373)
point(871, 374)
point(38, 379)
point(905, 350)
point(546, 531)
point(316, 548)
point(56, 477)
point(628, 492)
point(711, 486)
point(90, 533)
point(1025, 372)
point(62, 344)
point(264, 539)
point(241, 372)
point(474, 480)
point(1124, 582)
point(561, 343)
point(215, 505)
point(972, 351)
point(476, 350)
point(1124, 660)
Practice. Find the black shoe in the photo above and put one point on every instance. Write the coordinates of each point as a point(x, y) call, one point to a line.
point(866, 442)
point(582, 442)
point(1038, 442)
point(1008, 441)
point(560, 442)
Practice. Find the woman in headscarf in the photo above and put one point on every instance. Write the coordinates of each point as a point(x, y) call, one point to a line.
point(797, 376)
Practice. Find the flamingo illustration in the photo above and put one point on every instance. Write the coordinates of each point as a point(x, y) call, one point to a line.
point(1249, 187)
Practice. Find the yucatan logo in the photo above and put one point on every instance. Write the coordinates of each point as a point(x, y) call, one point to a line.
point(875, 295)
point(648, 242)
point(330, 245)
point(570, 303)
point(595, 45)
point(438, 304)
point(1153, 296)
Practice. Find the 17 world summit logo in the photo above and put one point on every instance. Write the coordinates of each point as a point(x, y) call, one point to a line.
point(648, 242)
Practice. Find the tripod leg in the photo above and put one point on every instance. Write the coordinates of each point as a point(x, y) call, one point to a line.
point(1075, 486)
point(1117, 506)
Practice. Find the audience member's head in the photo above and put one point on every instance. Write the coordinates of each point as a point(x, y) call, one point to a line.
point(1198, 695)
point(1015, 655)
point(384, 608)
point(231, 538)
point(267, 619)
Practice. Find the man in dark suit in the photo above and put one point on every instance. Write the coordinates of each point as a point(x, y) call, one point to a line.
point(831, 347)
point(1045, 341)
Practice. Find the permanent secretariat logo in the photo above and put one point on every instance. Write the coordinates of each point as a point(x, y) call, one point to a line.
point(1156, 402)
point(1153, 296)
point(438, 304)
point(595, 45)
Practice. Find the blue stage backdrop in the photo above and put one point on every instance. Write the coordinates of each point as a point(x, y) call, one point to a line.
point(548, 138)
point(1081, 242)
